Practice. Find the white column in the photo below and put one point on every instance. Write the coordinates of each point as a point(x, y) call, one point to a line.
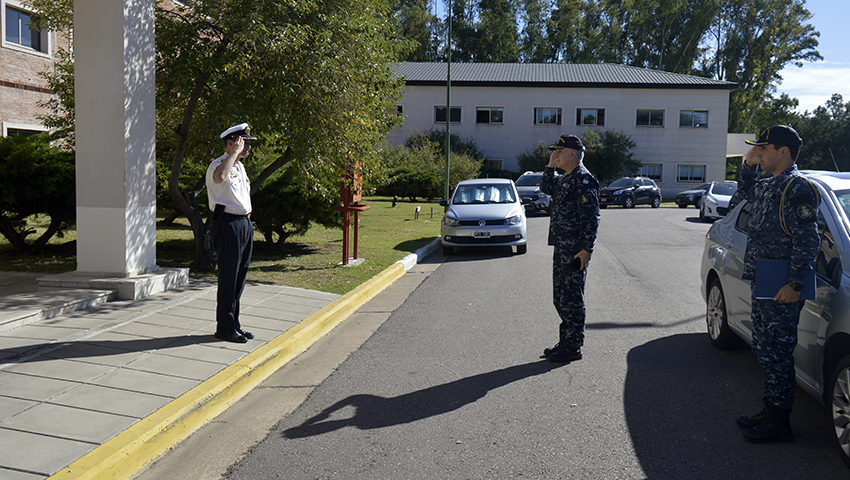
point(115, 128)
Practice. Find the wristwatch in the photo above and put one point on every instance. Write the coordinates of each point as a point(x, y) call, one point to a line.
point(796, 286)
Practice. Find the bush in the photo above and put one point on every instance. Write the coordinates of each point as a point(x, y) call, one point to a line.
point(420, 170)
point(290, 201)
point(609, 155)
point(35, 178)
point(534, 160)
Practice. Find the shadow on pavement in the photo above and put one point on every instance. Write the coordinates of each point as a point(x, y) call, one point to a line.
point(681, 399)
point(372, 411)
point(97, 348)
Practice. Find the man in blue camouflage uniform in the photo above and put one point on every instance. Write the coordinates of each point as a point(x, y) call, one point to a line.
point(572, 230)
point(783, 226)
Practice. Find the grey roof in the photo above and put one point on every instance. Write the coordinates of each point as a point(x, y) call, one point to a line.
point(597, 75)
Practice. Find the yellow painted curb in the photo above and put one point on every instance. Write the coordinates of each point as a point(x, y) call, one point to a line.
point(146, 440)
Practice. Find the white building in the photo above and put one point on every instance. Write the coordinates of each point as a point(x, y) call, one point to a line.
point(679, 122)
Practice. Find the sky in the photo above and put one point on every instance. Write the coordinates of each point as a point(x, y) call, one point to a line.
point(814, 83)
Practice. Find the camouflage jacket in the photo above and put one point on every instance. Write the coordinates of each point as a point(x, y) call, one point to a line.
point(574, 208)
point(783, 222)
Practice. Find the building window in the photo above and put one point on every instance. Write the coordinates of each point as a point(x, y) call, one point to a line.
point(650, 118)
point(21, 132)
point(440, 114)
point(18, 31)
point(590, 116)
point(693, 118)
point(650, 170)
point(691, 173)
point(547, 116)
point(494, 115)
point(399, 110)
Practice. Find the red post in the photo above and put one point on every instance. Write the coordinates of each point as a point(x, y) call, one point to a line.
point(350, 192)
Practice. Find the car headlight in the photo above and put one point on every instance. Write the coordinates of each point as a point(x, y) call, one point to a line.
point(618, 192)
point(711, 200)
point(451, 221)
point(541, 195)
point(515, 220)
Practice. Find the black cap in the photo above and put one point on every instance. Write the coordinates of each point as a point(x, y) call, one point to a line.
point(568, 141)
point(778, 135)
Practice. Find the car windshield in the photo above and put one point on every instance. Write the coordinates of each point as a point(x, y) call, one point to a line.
point(481, 193)
point(528, 180)
point(844, 200)
point(724, 188)
point(623, 182)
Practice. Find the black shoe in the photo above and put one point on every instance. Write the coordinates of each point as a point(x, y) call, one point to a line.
point(248, 335)
point(746, 423)
point(548, 351)
point(775, 428)
point(560, 355)
point(232, 337)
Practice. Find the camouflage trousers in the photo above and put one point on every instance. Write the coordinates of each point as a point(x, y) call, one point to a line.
point(774, 341)
point(568, 297)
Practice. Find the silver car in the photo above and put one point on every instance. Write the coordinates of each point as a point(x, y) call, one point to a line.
point(528, 186)
point(484, 211)
point(714, 203)
point(822, 357)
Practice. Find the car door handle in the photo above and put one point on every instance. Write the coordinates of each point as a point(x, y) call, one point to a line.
point(730, 243)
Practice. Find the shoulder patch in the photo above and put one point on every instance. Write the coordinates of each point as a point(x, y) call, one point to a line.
point(584, 198)
point(805, 213)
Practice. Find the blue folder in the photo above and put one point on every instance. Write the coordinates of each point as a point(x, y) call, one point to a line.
point(771, 275)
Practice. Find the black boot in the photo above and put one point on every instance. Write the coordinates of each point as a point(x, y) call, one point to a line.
point(755, 420)
point(776, 427)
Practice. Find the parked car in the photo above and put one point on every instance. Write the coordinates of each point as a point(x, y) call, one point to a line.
point(630, 191)
point(691, 197)
point(715, 202)
point(484, 211)
point(822, 356)
point(528, 186)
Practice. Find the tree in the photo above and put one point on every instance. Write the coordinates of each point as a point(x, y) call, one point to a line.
point(419, 29)
point(498, 39)
point(35, 178)
point(826, 136)
point(533, 48)
point(608, 154)
point(314, 79)
point(464, 31)
point(756, 40)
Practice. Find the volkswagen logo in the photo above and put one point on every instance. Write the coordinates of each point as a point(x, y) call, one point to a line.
point(482, 223)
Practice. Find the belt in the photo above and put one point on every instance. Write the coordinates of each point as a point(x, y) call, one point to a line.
point(238, 215)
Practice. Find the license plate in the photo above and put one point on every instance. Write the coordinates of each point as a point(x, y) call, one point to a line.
point(603, 200)
point(481, 234)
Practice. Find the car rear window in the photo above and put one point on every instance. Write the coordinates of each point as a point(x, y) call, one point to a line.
point(724, 188)
point(528, 180)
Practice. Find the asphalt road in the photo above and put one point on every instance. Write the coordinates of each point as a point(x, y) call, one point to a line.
point(451, 386)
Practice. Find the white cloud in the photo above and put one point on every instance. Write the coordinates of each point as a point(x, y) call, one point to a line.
point(815, 83)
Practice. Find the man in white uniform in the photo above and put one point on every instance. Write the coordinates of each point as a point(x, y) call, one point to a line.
point(232, 234)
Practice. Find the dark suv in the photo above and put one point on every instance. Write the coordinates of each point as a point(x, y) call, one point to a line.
point(630, 191)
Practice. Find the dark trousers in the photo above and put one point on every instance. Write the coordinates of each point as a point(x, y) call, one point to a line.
point(233, 238)
point(774, 341)
point(568, 297)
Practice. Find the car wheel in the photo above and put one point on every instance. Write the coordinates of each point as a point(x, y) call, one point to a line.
point(721, 335)
point(656, 202)
point(603, 207)
point(521, 249)
point(448, 250)
point(840, 406)
point(629, 203)
point(683, 206)
point(702, 213)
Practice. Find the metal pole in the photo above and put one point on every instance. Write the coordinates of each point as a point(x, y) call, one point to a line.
point(448, 99)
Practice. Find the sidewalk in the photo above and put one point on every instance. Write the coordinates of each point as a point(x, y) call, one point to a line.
point(101, 392)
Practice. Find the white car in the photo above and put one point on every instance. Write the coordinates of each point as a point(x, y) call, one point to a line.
point(715, 201)
point(484, 212)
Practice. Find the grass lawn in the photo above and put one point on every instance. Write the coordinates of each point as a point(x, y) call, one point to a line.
point(311, 261)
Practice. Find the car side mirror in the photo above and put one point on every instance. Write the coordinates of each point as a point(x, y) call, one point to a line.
point(444, 203)
point(526, 201)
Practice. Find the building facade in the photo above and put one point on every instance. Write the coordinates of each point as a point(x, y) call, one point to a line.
point(24, 53)
point(679, 122)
